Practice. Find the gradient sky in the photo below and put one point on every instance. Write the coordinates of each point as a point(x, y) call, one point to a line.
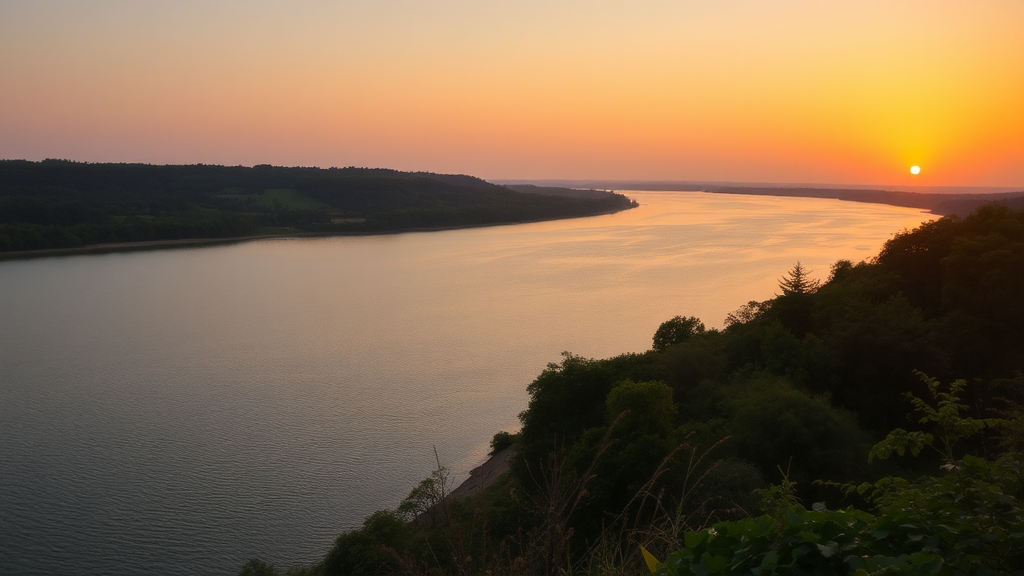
point(826, 91)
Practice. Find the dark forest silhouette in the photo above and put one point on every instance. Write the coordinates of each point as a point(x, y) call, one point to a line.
point(59, 204)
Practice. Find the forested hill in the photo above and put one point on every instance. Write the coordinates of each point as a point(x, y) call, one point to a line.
point(63, 204)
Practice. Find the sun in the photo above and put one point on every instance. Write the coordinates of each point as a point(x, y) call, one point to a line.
point(915, 170)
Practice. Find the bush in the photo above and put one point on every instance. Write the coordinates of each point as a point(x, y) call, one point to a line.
point(502, 440)
point(257, 567)
point(371, 549)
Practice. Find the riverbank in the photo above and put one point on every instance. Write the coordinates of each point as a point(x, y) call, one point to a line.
point(484, 475)
point(198, 242)
point(480, 479)
point(130, 246)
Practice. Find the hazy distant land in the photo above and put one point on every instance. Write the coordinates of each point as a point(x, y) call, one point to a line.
point(938, 200)
point(65, 206)
point(942, 204)
point(58, 206)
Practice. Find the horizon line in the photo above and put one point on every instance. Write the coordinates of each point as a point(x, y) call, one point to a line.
point(671, 185)
point(636, 184)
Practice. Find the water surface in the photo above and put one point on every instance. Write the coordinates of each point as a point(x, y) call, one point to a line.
point(180, 411)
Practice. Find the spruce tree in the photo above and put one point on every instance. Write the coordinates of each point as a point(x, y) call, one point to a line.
point(797, 281)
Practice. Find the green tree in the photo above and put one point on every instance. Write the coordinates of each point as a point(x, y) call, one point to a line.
point(257, 567)
point(645, 408)
point(776, 425)
point(795, 306)
point(425, 497)
point(840, 270)
point(371, 549)
point(797, 281)
point(676, 331)
point(749, 312)
point(501, 440)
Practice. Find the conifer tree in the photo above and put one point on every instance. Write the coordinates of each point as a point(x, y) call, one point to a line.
point(797, 281)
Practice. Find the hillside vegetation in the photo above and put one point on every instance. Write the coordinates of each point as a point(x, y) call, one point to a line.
point(865, 422)
point(59, 204)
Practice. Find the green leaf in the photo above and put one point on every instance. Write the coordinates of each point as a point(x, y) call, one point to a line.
point(716, 564)
point(809, 536)
point(770, 561)
point(828, 550)
point(695, 539)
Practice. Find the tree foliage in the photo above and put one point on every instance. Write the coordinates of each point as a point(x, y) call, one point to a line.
point(968, 519)
point(676, 331)
point(798, 281)
point(749, 312)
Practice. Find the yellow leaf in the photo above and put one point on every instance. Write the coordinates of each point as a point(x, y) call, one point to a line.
point(652, 562)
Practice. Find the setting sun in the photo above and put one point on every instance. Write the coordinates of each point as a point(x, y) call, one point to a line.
point(915, 170)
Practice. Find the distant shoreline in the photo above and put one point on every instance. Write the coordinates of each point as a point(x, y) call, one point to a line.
point(939, 204)
point(58, 207)
point(114, 247)
point(955, 200)
point(698, 185)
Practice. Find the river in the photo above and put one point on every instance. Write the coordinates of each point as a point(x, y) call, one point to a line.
point(183, 410)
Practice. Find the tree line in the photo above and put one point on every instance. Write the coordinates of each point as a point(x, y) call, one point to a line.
point(62, 204)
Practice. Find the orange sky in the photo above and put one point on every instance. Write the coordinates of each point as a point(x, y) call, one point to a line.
point(739, 90)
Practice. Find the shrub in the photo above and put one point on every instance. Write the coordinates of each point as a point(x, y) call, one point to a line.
point(502, 440)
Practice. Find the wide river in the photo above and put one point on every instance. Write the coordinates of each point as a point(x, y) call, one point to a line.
point(181, 411)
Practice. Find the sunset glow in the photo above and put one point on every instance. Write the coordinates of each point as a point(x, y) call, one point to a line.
point(794, 91)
